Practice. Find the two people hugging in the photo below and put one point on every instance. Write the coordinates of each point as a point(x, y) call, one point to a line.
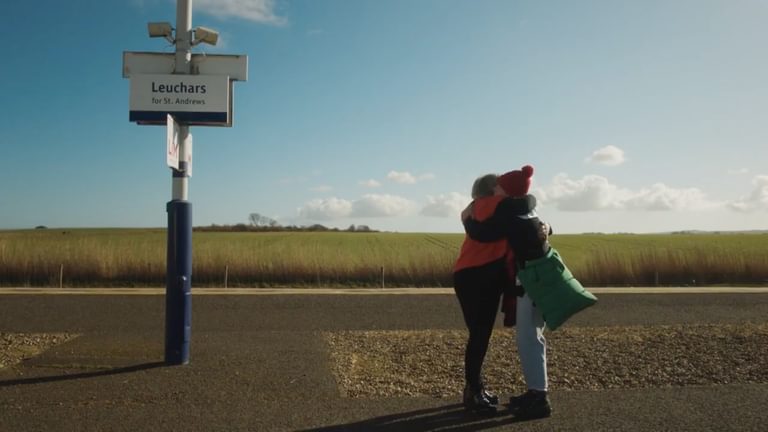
point(506, 254)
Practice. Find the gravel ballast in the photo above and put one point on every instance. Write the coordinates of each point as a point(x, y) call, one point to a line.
point(430, 362)
point(16, 347)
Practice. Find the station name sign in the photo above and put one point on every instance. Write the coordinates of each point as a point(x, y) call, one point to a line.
point(190, 99)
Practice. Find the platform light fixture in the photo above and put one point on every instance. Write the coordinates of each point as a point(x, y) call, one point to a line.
point(205, 35)
point(161, 29)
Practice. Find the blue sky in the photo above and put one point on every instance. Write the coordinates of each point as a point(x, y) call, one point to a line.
point(638, 116)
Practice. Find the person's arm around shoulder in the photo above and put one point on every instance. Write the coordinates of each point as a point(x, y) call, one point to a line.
point(498, 225)
point(516, 206)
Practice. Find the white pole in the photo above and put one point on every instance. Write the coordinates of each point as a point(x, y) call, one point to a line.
point(183, 66)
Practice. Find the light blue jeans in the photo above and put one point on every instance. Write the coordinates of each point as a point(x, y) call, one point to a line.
point(531, 344)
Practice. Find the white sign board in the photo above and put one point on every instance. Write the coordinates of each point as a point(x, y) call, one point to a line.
point(190, 99)
point(172, 143)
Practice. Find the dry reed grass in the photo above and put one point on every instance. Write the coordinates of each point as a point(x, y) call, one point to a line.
point(136, 257)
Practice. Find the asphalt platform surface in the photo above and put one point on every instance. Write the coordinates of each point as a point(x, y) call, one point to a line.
point(258, 363)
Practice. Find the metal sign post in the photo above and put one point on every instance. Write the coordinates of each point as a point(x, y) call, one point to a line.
point(178, 92)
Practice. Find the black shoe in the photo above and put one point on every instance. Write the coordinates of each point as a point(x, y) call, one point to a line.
point(532, 404)
point(477, 402)
point(492, 398)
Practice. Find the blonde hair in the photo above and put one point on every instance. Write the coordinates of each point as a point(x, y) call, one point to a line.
point(483, 186)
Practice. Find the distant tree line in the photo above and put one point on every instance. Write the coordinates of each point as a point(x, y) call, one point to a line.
point(260, 223)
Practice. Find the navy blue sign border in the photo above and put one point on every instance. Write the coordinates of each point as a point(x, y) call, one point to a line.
point(183, 117)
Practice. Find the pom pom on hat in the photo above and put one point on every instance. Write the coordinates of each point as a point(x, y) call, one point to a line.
point(517, 182)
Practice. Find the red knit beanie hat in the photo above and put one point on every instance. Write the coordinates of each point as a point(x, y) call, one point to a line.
point(516, 183)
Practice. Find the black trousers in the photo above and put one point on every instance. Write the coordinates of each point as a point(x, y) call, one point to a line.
point(479, 291)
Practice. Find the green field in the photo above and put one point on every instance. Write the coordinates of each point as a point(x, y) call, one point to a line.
point(136, 257)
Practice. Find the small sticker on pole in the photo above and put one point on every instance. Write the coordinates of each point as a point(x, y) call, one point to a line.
point(172, 143)
point(189, 156)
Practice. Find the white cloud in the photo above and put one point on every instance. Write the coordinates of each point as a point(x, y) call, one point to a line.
point(407, 178)
point(757, 199)
point(370, 205)
point(448, 205)
point(589, 193)
point(261, 11)
point(401, 177)
point(662, 197)
point(326, 209)
point(321, 188)
point(370, 183)
point(374, 205)
point(608, 155)
point(594, 192)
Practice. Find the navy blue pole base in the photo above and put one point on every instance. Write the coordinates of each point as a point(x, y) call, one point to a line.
point(178, 288)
